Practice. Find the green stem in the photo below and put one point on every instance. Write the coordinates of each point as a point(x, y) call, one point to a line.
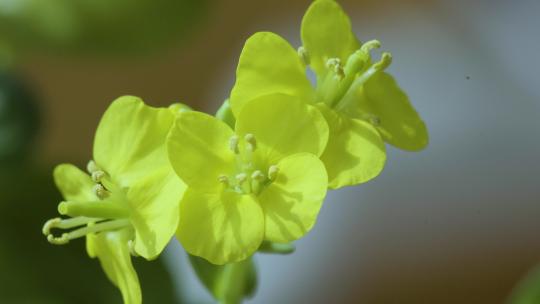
point(225, 114)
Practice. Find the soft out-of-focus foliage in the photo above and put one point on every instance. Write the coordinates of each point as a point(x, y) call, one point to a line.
point(18, 117)
point(102, 26)
point(528, 290)
point(227, 283)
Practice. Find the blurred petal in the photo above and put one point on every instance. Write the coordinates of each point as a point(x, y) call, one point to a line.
point(283, 125)
point(400, 124)
point(199, 150)
point(74, 184)
point(130, 139)
point(355, 152)
point(155, 210)
point(268, 64)
point(292, 202)
point(111, 248)
point(223, 227)
point(326, 33)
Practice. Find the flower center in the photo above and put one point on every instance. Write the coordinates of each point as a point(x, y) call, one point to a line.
point(249, 177)
point(338, 87)
point(106, 213)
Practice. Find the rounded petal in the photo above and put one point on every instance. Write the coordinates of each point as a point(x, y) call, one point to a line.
point(73, 183)
point(326, 33)
point(355, 152)
point(222, 228)
point(283, 125)
point(130, 139)
point(268, 64)
point(292, 202)
point(199, 152)
point(154, 202)
point(400, 124)
point(111, 248)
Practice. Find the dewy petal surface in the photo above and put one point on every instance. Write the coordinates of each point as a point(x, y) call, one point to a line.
point(283, 125)
point(292, 202)
point(199, 152)
point(130, 139)
point(326, 33)
point(355, 152)
point(113, 253)
point(73, 183)
point(268, 64)
point(400, 124)
point(155, 204)
point(221, 227)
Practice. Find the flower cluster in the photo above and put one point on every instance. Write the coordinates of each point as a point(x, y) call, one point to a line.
point(250, 178)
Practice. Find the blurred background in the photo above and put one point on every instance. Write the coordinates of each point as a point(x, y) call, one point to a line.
point(456, 223)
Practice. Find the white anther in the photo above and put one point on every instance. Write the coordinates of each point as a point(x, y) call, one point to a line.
point(100, 191)
point(257, 175)
point(272, 172)
point(223, 179)
point(334, 64)
point(251, 141)
point(97, 176)
point(233, 144)
point(241, 177)
point(91, 167)
point(304, 55)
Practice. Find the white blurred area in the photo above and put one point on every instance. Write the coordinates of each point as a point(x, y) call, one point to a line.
point(456, 223)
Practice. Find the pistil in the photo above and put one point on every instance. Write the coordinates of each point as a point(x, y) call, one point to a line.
point(340, 83)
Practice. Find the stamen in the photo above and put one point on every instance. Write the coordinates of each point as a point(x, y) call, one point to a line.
point(257, 180)
point(233, 144)
point(94, 228)
point(91, 167)
point(66, 223)
point(251, 142)
point(386, 60)
point(61, 240)
point(370, 45)
point(97, 176)
point(304, 56)
point(100, 191)
point(272, 172)
point(381, 65)
point(242, 186)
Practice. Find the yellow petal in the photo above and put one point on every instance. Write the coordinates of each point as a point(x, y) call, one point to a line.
point(268, 64)
point(199, 150)
point(355, 152)
point(292, 202)
point(222, 227)
point(283, 125)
